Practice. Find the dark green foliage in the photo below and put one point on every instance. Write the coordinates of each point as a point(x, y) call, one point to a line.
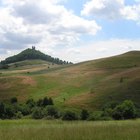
point(37, 113)
point(126, 110)
point(24, 109)
point(39, 102)
point(2, 110)
point(84, 114)
point(13, 100)
point(51, 111)
point(50, 101)
point(18, 115)
point(31, 103)
point(69, 115)
point(45, 101)
point(29, 54)
point(9, 111)
point(4, 66)
point(95, 116)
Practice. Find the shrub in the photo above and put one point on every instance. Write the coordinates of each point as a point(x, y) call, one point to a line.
point(31, 103)
point(45, 101)
point(18, 115)
point(69, 115)
point(97, 115)
point(37, 113)
point(126, 110)
point(2, 110)
point(84, 114)
point(40, 103)
point(51, 111)
point(9, 112)
point(50, 101)
point(13, 100)
point(24, 109)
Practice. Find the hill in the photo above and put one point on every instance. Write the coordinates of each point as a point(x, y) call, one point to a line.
point(88, 85)
point(30, 54)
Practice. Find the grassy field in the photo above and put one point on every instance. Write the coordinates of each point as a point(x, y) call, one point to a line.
point(58, 130)
point(87, 85)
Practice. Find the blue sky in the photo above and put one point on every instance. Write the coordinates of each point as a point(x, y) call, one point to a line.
point(74, 30)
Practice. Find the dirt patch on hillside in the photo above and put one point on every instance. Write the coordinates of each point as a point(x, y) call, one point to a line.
point(27, 80)
point(80, 100)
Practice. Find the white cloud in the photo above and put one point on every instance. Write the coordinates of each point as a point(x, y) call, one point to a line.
point(47, 24)
point(112, 9)
point(103, 8)
point(100, 49)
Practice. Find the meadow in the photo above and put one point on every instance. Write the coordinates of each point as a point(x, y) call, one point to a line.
point(87, 85)
point(76, 130)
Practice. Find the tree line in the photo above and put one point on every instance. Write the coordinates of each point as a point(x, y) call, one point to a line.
point(29, 54)
point(45, 108)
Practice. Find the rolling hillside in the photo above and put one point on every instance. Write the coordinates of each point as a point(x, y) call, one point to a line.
point(87, 85)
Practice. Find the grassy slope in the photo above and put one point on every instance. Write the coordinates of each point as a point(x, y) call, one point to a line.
point(85, 85)
point(58, 130)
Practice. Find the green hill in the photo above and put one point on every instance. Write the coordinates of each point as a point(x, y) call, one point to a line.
point(30, 54)
point(88, 85)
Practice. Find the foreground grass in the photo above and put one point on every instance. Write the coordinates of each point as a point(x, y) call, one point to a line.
point(60, 130)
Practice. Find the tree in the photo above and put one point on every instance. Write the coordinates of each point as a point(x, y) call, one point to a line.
point(69, 115)
point(52, 111)
point(126, 110)
point(40, 102)
point(84, 114)
point(13, 100)
point(45, 101)
point(2, 110)
point(50, 101)
point(31, 103)
point(37, 113)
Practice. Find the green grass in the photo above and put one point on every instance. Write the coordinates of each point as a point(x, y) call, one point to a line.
point(58, 130)
point(87, 85)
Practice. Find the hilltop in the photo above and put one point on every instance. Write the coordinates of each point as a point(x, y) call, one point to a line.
point(88, 85)
point(31, 54)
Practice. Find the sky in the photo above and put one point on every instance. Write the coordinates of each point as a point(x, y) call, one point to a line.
point(72, 30)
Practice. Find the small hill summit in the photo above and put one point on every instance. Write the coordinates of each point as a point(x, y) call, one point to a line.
point(31, 54)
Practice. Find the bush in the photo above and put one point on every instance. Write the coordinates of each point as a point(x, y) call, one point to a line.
point(2, 110)
point(50, 101)
point(45, 101)
point(39, 103)
point(24, 109)
point(51, 111)
point(13, 100)
point(69, 115)
point(126, 110)
point(18, 115)
point(97, 115)
point(84, 114)
point(37, 113)
point(9, 111)
point(31, 103)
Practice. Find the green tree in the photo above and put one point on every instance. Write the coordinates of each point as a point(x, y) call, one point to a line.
point(51, 111)
point(50, 101)
point(69, 115)
point(37, 113)
point(84, 114)
point(14, 100)
point(126, 110)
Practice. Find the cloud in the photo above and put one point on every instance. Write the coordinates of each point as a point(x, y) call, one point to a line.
point(47, 24)
point(112, 9)
point(99, 49)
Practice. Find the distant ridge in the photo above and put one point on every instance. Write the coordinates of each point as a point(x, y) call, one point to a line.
point(32, 53)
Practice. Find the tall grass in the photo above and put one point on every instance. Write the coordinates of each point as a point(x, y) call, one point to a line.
point(58, 130)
